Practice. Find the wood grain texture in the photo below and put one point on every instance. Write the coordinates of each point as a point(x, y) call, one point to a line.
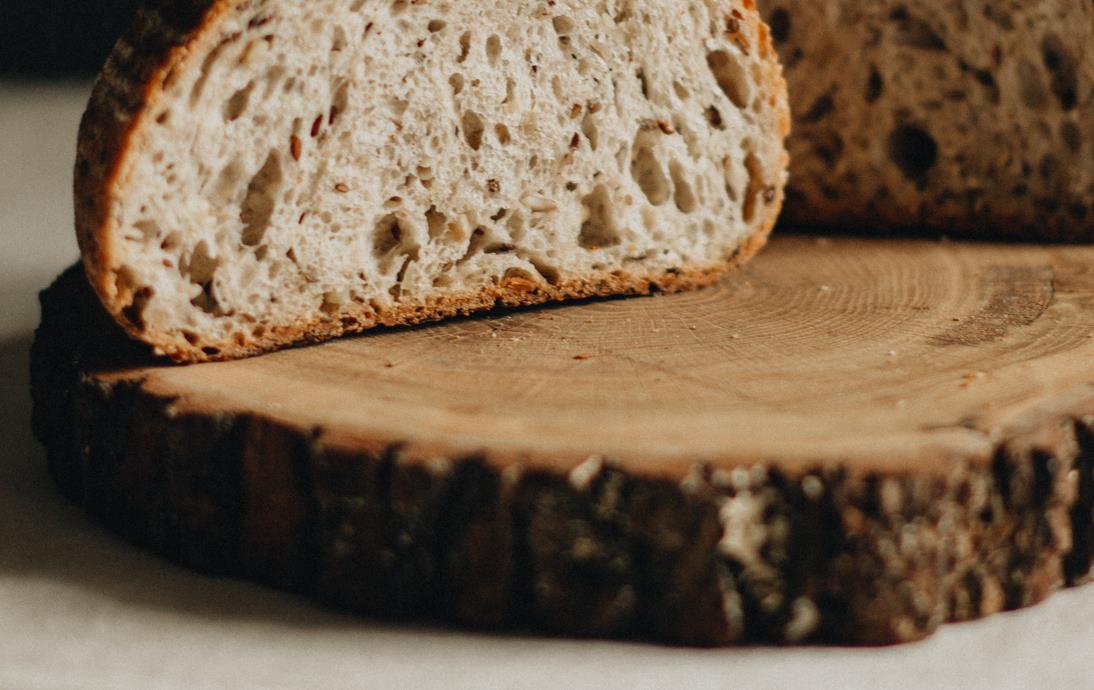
point(850, 441)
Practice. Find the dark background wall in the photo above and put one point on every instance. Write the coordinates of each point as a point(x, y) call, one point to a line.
point(59, 38)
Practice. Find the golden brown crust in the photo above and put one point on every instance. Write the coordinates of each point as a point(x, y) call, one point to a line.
point(511, 293)
point(128, 88)
point(159, 43)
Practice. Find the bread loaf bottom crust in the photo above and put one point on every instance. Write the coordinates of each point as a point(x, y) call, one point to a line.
point(514, 292)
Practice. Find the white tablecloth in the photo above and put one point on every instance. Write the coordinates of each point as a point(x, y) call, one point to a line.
point(80, 609)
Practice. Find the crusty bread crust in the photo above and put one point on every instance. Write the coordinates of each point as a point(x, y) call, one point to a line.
point(129, 85)
point(514, 292)
point(165, 39)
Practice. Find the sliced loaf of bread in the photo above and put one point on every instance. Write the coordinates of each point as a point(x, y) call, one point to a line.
point(257, 173)
point(967, 117)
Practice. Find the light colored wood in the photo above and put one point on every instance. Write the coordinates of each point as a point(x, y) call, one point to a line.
point(867, 351)
point(908, 428)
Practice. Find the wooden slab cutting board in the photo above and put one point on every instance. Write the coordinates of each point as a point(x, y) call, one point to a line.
point(849, 440)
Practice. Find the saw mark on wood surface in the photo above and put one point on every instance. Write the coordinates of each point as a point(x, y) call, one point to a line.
point(1015, 296)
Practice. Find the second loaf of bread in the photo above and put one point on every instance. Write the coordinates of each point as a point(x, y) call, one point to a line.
point(959, 116)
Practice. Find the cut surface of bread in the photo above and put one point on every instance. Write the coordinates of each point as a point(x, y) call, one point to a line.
point(960, 116)
point(256, 174)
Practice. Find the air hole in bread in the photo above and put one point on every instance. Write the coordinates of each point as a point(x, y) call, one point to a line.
point(730, 186)
point(986, 79)
point(779, 22)
point(1063, 71)
point(149, 229)
point(261, 200)
point(134, 313)
point(436, 25)
point(819, 109)
point(237, 104)
point(714, 118)
point(387, 235)
point(339, 103)
point(915, 32)
point(515, 224)
point(559, 89)
point(502, 133)
point(647, 172)
point(548, 272)
point(683, 195)
point(397, 106)
point(338, 40)
point(465, 46)
point(396, 290)
point(475, 244)
point(563, 25)
point(272, 77)
point(518, 280)
point(643, 82)
point(473, 129)
point(200, 267)
point(456, 82)
point(599, 228)
point(755, 187)
point(731, 77)
point(333, 301)
point(171, 242)
point(392, 237)
point(875, 86)
point(206, 70)
point(913, 150)
point(493, 49)
point(681, 91)
point(589, 129)
point(436, 222)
